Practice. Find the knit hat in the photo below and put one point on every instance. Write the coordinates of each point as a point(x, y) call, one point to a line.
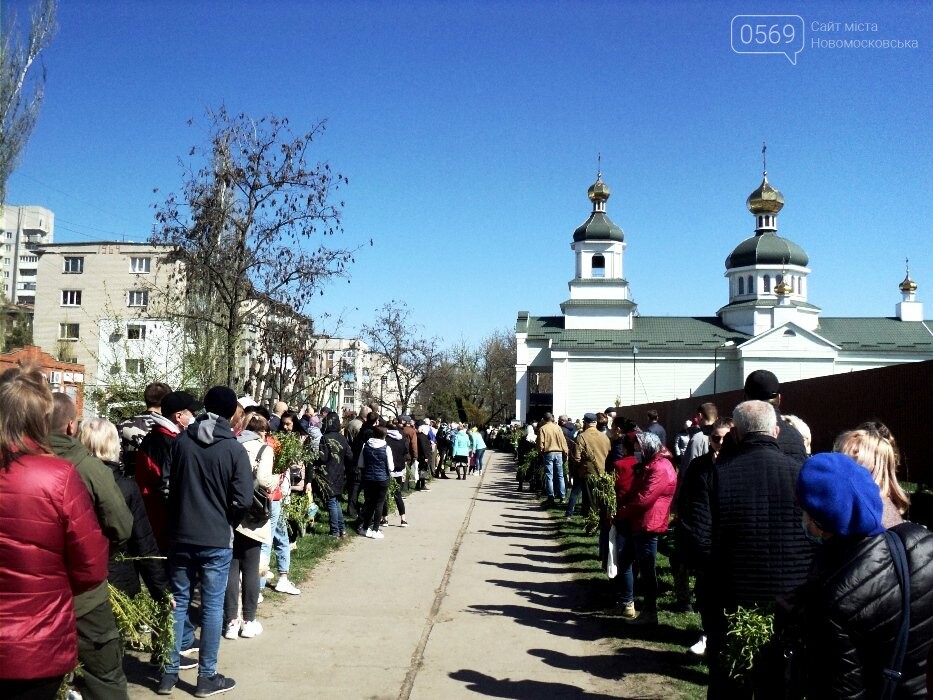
point(762, 385)
point(176, 401)
point(220, 400)
point(840, 495)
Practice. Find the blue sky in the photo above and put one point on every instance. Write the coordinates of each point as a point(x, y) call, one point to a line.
point(470, 131)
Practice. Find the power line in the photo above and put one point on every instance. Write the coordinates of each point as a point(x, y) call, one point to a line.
point(70, 196)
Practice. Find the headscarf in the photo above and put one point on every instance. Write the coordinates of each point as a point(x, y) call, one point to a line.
point(651, 446)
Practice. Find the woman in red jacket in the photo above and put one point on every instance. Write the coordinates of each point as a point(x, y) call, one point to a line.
point(646, 511)
point(51, 546)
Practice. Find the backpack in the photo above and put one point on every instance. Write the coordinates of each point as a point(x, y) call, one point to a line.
point(260, 510)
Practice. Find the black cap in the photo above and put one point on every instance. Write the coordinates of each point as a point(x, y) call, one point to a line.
point(221, 400)
point(176, 401)
point(762, 385)
point(589, 417)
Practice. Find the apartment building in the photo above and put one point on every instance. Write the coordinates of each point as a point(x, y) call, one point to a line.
point(102, 304)
point(24, 229)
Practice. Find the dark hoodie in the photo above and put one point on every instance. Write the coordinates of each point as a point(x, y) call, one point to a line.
point(335, 455)
point(210, 484)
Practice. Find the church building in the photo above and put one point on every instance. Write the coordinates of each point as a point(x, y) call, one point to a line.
point(600, 352)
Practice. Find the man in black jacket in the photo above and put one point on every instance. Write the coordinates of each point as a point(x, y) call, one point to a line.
point(758, 549)
point(209, 487)
point(762, 385)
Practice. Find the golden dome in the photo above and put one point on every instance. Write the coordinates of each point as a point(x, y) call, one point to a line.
point(599, 190)
point(766, 199)
point(908, 286)
point(782, 289)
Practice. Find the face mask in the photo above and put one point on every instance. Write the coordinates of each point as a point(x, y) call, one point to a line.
point(815, 539)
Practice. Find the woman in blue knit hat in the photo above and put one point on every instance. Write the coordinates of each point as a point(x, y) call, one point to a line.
point(851, 604)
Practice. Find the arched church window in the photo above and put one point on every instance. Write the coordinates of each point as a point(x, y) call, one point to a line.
point(599, 266)
point(767, 281)
point(750, 285)
point(741, 285)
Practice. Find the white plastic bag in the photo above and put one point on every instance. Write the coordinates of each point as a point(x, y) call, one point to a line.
point(612, 567)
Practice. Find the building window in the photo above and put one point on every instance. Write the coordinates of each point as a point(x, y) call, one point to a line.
point(27, 258)
point(750, 285)
point(9, 247)
point(741, 285)
point(137, 297)
point(599, 266)
point(134, 366)
point(9, 235)
point(140, 265)
point(135, 332)
point(6, 273)
point(71, 297)
point(767, 281)
point(6, 261)
point(74, 266)
point(69, 331)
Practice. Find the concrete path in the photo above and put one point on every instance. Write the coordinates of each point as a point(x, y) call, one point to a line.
point(475, 598)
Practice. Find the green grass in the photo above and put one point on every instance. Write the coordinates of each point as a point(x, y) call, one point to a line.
point(660, 650)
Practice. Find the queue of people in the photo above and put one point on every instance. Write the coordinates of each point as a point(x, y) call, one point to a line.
point(758, 523)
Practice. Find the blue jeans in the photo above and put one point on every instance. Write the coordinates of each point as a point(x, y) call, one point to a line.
point(187, 565)
point(574, 495)
point(280, 542)
point(479, 459)
point(643, 547)
point(336, 516)
point(554, 474)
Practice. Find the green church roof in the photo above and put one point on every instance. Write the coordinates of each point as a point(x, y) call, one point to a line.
point(693, 333)
point(766, 249)
point(598, 227)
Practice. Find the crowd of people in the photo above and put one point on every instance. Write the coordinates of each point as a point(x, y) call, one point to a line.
point(188, 498)
point(757, 523)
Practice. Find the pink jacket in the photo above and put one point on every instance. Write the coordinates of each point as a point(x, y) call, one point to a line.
point(648, 506)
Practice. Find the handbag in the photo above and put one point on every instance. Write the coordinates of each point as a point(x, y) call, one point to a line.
point(260, 509)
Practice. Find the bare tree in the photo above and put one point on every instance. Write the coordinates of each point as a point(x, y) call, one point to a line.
point(248, 227)
point(409, 359)
point(21, 86)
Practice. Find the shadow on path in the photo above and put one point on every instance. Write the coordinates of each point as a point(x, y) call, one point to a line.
point(520, 690)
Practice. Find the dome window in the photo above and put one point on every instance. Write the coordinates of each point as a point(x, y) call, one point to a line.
point(767, 281)
point(599, 266)
point(788, 333)
point(741, 285)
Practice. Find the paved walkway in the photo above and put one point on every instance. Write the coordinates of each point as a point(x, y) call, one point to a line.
point(475, 598)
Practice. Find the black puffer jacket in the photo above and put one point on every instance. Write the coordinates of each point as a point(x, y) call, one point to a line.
point(125, 573)
point(852, 605)
point(758, 549)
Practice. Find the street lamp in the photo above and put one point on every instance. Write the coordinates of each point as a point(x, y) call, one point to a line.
point(727, 344)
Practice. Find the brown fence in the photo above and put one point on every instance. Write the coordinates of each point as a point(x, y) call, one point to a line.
point(899, 396)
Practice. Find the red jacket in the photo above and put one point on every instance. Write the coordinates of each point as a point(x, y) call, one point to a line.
point(647, 508)
point(152, 457)
point(51, 548)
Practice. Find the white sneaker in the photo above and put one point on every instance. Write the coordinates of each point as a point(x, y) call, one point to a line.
point(376, 535)
point(369, 533)
point(233, 629)
point(286, 586)
point(700, 647)
point(251, 629)
point(260, 598)
point(270, 579)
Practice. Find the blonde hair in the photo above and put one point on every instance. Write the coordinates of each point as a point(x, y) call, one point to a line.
point(25, 413)
point(875, 450)
point(100, 437)
point(802, 428)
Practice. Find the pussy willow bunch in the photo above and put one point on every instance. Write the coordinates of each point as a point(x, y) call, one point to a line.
point(749, 630)
point(145, 623)
point(603, 490)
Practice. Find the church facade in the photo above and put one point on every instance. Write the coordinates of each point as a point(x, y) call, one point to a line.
point(600, 352)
